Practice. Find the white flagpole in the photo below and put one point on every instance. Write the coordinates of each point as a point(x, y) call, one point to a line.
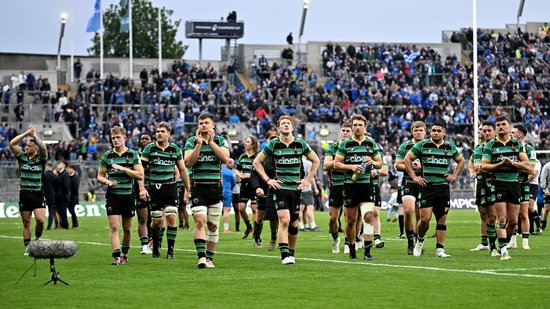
point(71, 65)
point(160, 45)
point(131, 77)
point(101, 32)
point(476, 95)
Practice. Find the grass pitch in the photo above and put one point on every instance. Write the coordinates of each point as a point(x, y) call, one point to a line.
point(247, 277)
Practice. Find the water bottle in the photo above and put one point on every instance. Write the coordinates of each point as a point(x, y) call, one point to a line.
point(356, 173)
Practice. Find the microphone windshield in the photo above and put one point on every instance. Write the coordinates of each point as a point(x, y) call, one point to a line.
point(47, 249)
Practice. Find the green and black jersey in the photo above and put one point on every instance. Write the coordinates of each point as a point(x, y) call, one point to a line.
point(244, 164)
point(494, 152)
point(161, 163)
point(287, 160)
point(532, 157)
point(146, 179)
point(435, 159)
point(207, 169)
point(476, 157)
point(31, 172)
point(354, 153)
point(376, 180)
point(128, 159)
point(337, 177)
point(400, 158)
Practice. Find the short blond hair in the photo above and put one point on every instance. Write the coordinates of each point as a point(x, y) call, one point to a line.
point(283, 117)
point(417, 124)
point(165, 125)
point(118, 130)
point(358, 117)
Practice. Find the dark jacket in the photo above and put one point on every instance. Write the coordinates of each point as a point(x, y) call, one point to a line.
point(49, 182)
point(75, 184)
point(63, 187)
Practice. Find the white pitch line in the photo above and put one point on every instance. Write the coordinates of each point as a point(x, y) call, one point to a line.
point(494, 272)
point(517, 269)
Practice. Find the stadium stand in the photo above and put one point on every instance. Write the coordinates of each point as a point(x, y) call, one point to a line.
point(392, 84)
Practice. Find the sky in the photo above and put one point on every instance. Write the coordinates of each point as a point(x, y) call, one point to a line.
point(33, 26)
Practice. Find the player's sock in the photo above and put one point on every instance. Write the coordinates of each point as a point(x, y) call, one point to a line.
point(367, 245)
point(171, 234)
point(502, 242)
point(401, 219)
point(144, 240)
point(200, 245)
point(410, 238)
point(125, 249)
point(161, 235)
point(116, 253)
point(155, 234)
point(210, 255)
point(484, 240)
point(258, 227)
point(284, 250)
point(492, 235)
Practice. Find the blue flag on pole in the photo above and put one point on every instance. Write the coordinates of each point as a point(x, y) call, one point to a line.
point(94, 23)
point(124, 16)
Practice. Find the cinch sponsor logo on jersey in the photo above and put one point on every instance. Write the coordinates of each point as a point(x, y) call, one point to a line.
point(247, 166)
point(288, 161)
point(356, 158)
point(29, 167)
point(113, 171)
point(206, 158)
point(159, 161)
point(513, 158)
point(434, 160)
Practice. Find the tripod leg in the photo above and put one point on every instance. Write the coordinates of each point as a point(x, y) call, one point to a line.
point(65, 283)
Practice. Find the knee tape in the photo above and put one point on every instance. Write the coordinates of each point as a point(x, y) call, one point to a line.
point(368, 229)
point(441, 227)
point(213, 217)
point(199, 210)
point(366, 207)
point(440, 212)
point(213, 214)
point(171, 211)
point(213, 236)
point(156, 214)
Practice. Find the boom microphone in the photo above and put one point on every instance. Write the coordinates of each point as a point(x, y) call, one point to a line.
point(52, 249)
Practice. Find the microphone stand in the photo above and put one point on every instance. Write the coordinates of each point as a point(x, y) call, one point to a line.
point(55, 274)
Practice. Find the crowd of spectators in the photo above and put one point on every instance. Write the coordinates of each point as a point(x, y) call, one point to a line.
point(391, 84)
point(396, 84)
